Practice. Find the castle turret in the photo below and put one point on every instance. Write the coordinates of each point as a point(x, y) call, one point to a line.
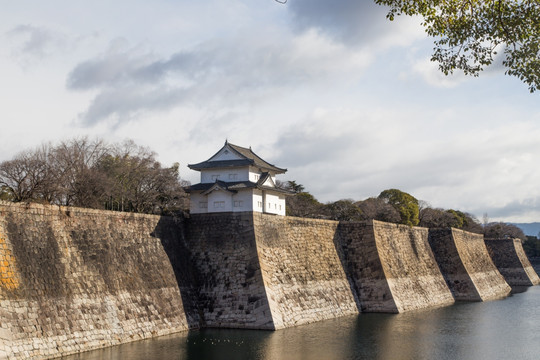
point(236, 179)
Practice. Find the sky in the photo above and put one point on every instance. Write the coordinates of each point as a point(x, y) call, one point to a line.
point(346, 100)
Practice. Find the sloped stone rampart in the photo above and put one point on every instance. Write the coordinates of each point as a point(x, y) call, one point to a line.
point(262, 271)
point(362, 263)
point(304, 278)
point(467, 266)
point(231, 287)
point(391, 267)
point(72, 280)
point(77, 279)
point(510, 258)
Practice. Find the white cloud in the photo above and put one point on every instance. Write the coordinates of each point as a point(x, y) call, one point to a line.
point(31, 42)
point(215, 73)
point(430, 73)
point(331, 90)
point(355, 23)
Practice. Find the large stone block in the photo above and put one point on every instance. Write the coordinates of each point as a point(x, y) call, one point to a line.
point(267, 272)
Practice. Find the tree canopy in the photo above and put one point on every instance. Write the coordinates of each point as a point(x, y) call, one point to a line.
point(405, 204)
point(470, 34)
point(94, 174)
point(395, 206)
point(439, 218)
point(500, 230)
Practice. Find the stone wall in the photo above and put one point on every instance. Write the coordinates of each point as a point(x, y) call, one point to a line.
point(391, 267)
point(75, 279)
point(262, 271)
point(303, 276)
point(467, 266)
point(512, 262)
point(231, 288)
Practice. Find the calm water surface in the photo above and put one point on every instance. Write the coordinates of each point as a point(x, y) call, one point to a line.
point(503, 329)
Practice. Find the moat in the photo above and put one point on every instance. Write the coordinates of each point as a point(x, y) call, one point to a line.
point(505, 329)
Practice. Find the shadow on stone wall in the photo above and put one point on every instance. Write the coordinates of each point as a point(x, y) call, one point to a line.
point(34, 260)
point(510, 258)
point(345, 250)
point(231, 291)
point(171, 232)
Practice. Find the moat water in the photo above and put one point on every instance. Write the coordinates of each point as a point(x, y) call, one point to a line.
point(502, 329)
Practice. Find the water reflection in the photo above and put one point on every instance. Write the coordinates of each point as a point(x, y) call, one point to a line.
point(502, 329)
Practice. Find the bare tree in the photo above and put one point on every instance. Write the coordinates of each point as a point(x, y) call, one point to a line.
point(378, 209)
point(500, 230)
point(74, 167)
point(138, 182)
point(344, 210)
point(26, 176)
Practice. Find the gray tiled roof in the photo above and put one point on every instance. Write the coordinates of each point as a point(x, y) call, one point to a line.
point(234, 186)
point(249, 158)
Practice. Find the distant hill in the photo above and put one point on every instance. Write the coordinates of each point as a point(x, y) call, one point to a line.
point(529, 228)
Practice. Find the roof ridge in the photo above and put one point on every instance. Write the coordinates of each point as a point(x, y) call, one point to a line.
point(245, 154)
point(252, 152)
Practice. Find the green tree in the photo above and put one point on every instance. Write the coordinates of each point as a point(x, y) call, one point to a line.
point(405, 204)
point(469, 34)
point(295, 187)
point(5, 194)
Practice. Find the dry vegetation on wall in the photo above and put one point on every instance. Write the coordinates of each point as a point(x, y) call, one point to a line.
point(94, 174)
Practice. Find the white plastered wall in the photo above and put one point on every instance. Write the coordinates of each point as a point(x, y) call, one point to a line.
point(219, 201)
point(242, 201)
point(197, 203)
point(228, 175)
point(258, 204)
point(274, 203)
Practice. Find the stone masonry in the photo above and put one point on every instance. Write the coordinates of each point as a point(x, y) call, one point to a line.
point(77, 279)
point(511, 260)
point(302, 273)
point(391, 267)
point(74, 279)
point(467, 266)
point(229, 278)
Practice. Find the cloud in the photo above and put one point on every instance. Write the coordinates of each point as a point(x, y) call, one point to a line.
point(31, 43)
point(479, 167)
point(430, 73)
point(240, 70)
point(358, 23)
point(515, 209)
